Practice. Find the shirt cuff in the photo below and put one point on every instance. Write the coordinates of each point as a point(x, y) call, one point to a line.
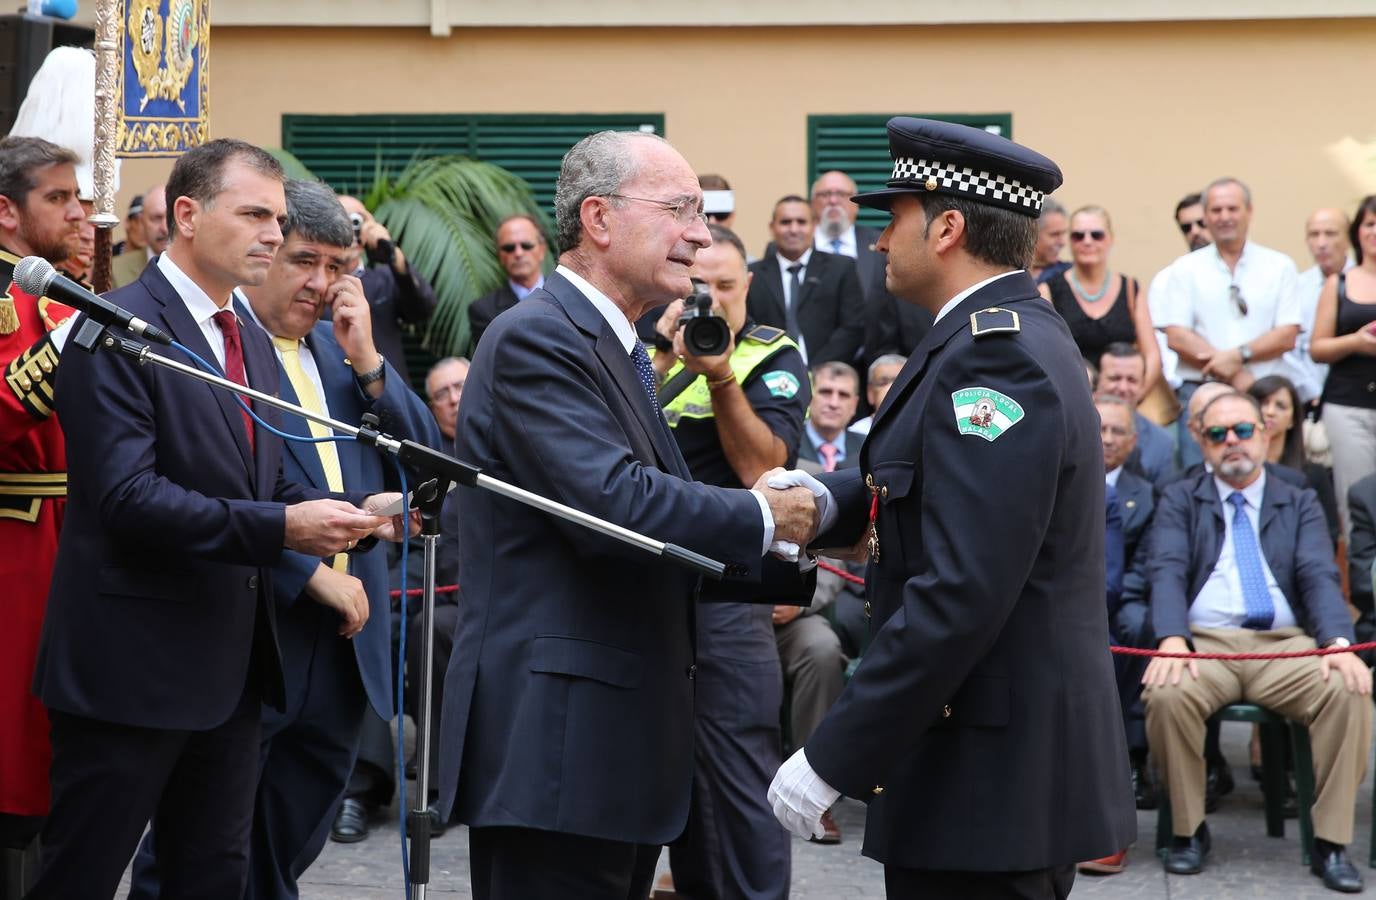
point(768, 521)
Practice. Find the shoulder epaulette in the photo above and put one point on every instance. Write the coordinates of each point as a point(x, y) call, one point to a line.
point(764, 334)
point(994, 320)
point(31, 376)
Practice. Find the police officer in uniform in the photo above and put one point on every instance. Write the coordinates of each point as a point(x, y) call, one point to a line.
point(735, 416)
point(982, 726)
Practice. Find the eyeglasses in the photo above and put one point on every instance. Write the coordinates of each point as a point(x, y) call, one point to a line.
point(1115, 430)
point(511, 248)
point(449, 391)
point(1217, 434)
point(684, 210)
point(1092, 235)
point(1187, 227)
point(827, 195)
point(1235, 295)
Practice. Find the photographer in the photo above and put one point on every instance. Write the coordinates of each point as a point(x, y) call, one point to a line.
point(735, 413)
point(396, 293)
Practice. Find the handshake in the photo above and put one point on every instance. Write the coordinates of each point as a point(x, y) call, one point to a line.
point(797, 502)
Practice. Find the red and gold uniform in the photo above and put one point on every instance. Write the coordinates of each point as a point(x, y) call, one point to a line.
point(33, 492)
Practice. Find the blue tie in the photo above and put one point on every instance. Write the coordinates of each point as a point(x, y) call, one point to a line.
point(835, 245)
point(1261, 612)
point(648, 380)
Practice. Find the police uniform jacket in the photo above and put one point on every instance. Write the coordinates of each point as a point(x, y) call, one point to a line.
point(983, 725)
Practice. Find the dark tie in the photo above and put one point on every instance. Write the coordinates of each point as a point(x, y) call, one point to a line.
point(648, 379)
point(234, 361)
point(828, 451)
point(1261, 612)
point(795, 287)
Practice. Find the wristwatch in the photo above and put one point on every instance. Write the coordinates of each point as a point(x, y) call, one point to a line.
point(366, 378)
point(1338, 642)
point(1245, 352)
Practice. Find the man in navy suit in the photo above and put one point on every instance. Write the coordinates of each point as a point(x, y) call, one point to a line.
point(160, 641)
point(521, 251)
point(1241, 563)
point(981, 724)
point(332, 613)
point(567, 735)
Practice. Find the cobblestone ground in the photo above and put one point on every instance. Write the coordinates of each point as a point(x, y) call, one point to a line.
point(1244, 861)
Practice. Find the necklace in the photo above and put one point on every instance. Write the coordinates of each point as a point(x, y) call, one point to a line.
point(1086, 295)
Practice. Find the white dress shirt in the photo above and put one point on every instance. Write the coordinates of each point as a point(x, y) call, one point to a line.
point(625, 333)
point(955, 301)
point(1197, 298)
point(1308, 375)
point(1220, 603)
point(1111, 478)
point(790, 301)
point(1156, 293)
point(847, 238)
point(198, 303)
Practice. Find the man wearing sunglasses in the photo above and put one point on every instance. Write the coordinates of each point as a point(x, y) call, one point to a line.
point(1241, 563)
point(1230, 310)
point(521, 251)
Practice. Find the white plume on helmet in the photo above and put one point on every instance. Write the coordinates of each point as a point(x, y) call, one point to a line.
point(61, 107)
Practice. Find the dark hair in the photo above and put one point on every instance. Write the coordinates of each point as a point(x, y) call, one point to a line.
point(723, 235)
point(1123, 350)
point(199, 173)
point(713, 183)
point(790, 198)
point(1366, 208)
point(1292, 454)
point(1187, 201)
point(834, 368)
point(315, 213)
point(21, 157)
point(999, 237)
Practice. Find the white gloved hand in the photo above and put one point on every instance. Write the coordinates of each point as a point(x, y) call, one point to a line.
point(799, 796)
point(826, 513)
point(59, 334)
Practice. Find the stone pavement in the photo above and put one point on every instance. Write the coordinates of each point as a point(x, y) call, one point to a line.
point(1244, 861)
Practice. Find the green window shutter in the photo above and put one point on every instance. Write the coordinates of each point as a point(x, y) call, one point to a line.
point(345, 150)
point(859, 146)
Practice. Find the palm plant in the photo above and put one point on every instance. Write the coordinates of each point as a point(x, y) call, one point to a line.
point(443, 211)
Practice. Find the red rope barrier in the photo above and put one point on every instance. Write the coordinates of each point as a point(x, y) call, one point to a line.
point(1137, 651)
point(439, 589)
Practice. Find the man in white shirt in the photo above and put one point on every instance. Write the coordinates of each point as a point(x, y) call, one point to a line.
point(1240, 563)
point(1325, 233)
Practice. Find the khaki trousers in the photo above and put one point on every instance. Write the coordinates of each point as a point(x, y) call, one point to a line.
point(1339, 722)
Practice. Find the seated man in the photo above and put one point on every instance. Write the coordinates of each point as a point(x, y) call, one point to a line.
point(1217, 587)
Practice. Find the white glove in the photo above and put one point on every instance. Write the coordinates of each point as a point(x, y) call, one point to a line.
point(59, 334)
point(799, 796)
point(826, 512)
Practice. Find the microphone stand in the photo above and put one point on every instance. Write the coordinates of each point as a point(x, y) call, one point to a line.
point(443, 469)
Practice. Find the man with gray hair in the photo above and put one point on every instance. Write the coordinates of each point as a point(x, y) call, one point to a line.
point(566, 741)
point(1052, 227)
point(332, 612)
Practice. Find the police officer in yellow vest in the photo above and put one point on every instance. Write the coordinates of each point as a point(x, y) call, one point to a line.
point(739, 417)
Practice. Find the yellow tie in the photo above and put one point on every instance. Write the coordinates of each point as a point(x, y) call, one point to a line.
point(306, 394)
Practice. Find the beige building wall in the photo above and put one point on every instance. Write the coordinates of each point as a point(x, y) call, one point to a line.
point(1137, 114)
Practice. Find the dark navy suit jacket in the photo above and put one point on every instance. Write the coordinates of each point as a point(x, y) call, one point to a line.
point(300, 619)
point(568, 704)
point(171, 533)
point(1187, 538)
point(1130, 617)
point(983, 725)
point(831, 310)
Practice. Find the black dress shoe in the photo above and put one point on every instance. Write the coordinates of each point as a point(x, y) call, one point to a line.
point(1185, 856)
point(1217, 782)
point(351, 823)
point(1143, 789)
point(1330, 862)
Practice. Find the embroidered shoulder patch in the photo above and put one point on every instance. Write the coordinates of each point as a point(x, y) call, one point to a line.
point(780, 383)
point(985, 412)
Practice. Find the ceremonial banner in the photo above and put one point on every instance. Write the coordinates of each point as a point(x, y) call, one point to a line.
point(164, 77)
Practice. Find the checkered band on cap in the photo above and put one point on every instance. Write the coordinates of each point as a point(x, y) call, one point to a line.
point(985, 185)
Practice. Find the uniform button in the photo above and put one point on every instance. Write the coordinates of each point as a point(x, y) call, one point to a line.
point(253, 582)
point(1371, 387)
point(878, 789)
point(867, 609)
point(691, 672)
point(945, 712)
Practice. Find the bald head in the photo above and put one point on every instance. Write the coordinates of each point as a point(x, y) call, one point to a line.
point(1325, 231)
point(1201, 398)
point(831, 206)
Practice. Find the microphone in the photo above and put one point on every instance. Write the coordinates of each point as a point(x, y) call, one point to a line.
point(37, 277)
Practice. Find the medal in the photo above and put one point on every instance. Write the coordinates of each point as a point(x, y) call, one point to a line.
point(875, 494)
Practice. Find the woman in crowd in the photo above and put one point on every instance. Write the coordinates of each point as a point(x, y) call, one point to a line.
point(1099, 305)
point(1345, 338)
point(1280, 406)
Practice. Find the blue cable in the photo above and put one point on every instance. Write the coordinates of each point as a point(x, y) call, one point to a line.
point(401, 647)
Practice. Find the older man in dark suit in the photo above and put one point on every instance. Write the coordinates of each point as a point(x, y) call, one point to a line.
point(521, 251)
point(1241, 563)
point(567, 734)
point(814, 296)
point(160, 641)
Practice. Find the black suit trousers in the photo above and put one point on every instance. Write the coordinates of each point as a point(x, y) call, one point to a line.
point(917, 884)
point(527, 864)
point(111, 780)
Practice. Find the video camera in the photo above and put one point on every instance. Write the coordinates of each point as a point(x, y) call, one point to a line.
point(703, 333)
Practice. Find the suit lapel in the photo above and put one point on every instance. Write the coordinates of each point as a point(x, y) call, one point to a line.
point(773, 283)
point(816, 269)
point(177, 318)
point(341, 397)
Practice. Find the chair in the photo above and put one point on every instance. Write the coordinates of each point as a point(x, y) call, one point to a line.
point(1273, 728)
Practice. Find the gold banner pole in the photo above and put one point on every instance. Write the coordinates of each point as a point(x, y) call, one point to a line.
point(109, 17)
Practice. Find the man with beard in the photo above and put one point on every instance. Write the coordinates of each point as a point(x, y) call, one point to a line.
point(1241, 563)
point(39, 216)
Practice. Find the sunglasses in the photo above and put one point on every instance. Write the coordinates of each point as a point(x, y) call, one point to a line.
point(1235, 295)
point(511, 248)
point(1092, 235)
point(1217, 434)
point(1187, 227)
